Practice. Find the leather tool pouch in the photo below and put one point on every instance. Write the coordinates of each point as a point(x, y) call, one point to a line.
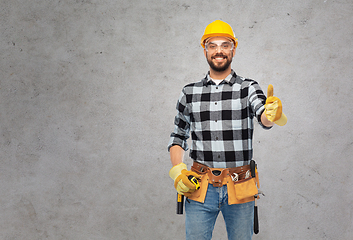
point(241, 191)
point(200, 194)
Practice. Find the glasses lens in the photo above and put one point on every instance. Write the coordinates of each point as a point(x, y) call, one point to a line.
point(225, 46)
point(211, 46)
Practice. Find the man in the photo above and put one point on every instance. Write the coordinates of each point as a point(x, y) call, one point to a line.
point(218, 113)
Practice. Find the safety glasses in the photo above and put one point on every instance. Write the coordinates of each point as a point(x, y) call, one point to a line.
point(214, 45)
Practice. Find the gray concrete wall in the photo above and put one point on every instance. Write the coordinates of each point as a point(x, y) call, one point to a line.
point(87, 101)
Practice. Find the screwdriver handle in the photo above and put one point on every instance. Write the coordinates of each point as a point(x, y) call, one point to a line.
point(252, 168)
point(180, 203)
point(256, 219)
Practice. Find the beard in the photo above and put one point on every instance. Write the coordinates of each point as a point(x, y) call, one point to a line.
point(220, 67)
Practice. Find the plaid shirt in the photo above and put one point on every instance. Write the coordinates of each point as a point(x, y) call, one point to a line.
point(220, 120)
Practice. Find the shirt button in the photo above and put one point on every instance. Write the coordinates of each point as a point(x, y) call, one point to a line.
point(216, 87)
point(216, 138)
point(215, 103)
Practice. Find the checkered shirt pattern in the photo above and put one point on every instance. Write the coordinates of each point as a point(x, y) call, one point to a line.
point(219, 119)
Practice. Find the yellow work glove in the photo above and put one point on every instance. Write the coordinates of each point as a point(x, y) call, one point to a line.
point(273, 108)
point(182, 184)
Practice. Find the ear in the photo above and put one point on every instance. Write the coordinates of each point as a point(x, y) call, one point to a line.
point(204, 51)
point(234, 52)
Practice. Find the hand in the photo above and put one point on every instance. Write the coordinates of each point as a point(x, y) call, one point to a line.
point(273, 108)
point(182, 184)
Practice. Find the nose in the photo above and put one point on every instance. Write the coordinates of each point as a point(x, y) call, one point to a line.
point(219, 49)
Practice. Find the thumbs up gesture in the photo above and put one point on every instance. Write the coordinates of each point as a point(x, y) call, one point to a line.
point(273, 108)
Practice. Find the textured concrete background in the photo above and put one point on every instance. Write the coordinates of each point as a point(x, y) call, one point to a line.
point(87, 101)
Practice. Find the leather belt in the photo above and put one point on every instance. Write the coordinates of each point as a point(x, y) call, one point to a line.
point(218, 176)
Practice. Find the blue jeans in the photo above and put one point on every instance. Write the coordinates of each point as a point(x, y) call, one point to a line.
point(200, 218)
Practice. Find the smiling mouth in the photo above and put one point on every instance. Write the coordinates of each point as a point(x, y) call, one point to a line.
point(219, 58)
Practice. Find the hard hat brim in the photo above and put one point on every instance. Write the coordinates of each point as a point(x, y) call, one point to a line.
point(207, 36)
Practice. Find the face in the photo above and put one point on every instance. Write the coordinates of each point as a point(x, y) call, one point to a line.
point(219, 53)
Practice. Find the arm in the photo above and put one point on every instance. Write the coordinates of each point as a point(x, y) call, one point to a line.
point(177, 147)
point(178, 139)
point(257, 100)
point(176, 154)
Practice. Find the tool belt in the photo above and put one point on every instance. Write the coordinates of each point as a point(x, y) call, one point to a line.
point(241, 186)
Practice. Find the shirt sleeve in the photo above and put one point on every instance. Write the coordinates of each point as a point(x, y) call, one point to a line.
point(181, 124)
point(257, 101)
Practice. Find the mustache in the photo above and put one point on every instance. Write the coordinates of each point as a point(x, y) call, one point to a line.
point(219, 55)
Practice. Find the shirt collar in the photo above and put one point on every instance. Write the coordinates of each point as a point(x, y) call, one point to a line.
point(230, 79)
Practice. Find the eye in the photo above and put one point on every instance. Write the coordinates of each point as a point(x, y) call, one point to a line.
point(226, 45)
point(212, 46)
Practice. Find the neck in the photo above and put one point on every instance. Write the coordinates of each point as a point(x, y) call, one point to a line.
point(220, 75)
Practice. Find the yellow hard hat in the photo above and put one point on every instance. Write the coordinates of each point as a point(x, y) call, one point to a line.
point(218, 28)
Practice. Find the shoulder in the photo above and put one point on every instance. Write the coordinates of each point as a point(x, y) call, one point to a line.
point(244, 82)
point(248, 81)
point(190, 88)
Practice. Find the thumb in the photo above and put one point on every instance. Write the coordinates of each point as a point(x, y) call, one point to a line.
point(270, 91)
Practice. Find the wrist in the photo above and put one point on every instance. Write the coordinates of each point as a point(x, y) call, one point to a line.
point(265, 121)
